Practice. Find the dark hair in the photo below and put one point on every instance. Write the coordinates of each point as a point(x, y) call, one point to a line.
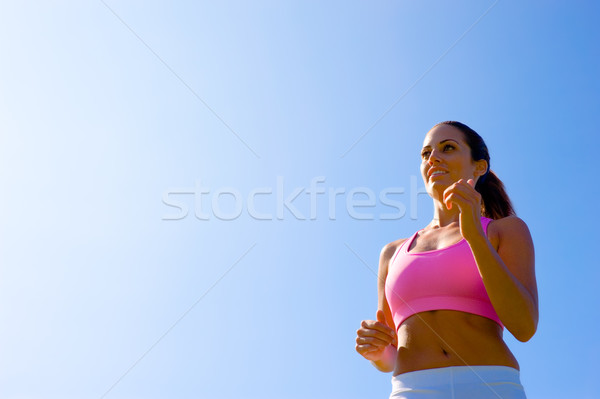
point(495, 203)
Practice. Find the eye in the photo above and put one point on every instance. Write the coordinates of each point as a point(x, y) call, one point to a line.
point(425, 154)
point(448, 146)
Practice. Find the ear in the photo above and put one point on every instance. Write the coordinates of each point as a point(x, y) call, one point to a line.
point(480, 167)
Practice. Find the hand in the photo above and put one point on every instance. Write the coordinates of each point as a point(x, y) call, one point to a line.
point(468, 200)
point(374, 337)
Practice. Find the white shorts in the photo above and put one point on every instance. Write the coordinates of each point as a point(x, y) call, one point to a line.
point(458, 382)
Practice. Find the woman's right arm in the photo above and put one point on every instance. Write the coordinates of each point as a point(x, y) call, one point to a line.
point(376, 340)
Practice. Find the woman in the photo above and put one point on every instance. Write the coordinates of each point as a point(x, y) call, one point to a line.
point(447, 293)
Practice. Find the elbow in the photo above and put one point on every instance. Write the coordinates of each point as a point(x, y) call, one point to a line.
point(524, 337)
point(528, 325)
point(527, 333)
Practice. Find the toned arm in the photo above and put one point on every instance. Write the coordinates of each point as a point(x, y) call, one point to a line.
point(509, 275)
point(388, 362)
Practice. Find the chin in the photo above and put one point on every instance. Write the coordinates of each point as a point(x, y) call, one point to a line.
point(436, 188)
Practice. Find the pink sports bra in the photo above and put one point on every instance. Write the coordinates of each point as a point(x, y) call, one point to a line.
point(445, 278)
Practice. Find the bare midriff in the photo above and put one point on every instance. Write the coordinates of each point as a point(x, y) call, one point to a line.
point(443, 338)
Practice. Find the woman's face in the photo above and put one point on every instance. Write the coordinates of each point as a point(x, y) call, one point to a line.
point(446, 158)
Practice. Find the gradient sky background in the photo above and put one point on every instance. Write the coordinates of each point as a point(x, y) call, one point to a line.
point(112, 110)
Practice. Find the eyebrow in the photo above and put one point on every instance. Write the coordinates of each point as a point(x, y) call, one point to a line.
point(441, 142)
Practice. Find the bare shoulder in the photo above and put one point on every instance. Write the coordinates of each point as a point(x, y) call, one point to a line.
point(509, 226)
point(390, 249)
point(387, 252)
point(515, 247)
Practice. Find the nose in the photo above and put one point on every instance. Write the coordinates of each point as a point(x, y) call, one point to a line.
point(433, 157)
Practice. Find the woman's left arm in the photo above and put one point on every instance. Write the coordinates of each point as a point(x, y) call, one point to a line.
point(509, 275)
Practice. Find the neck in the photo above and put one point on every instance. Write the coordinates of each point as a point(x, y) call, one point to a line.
point(442, 216)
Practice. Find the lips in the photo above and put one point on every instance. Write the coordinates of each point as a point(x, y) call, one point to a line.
point(436, 172)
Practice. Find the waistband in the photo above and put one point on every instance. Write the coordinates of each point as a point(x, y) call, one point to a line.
point(497, 381)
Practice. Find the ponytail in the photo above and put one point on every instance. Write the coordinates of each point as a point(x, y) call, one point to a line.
point(495, 203)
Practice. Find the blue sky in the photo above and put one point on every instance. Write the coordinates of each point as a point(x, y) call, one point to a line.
point(159, 238)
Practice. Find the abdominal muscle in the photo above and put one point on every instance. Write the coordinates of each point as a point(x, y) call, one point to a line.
point(443, 338)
